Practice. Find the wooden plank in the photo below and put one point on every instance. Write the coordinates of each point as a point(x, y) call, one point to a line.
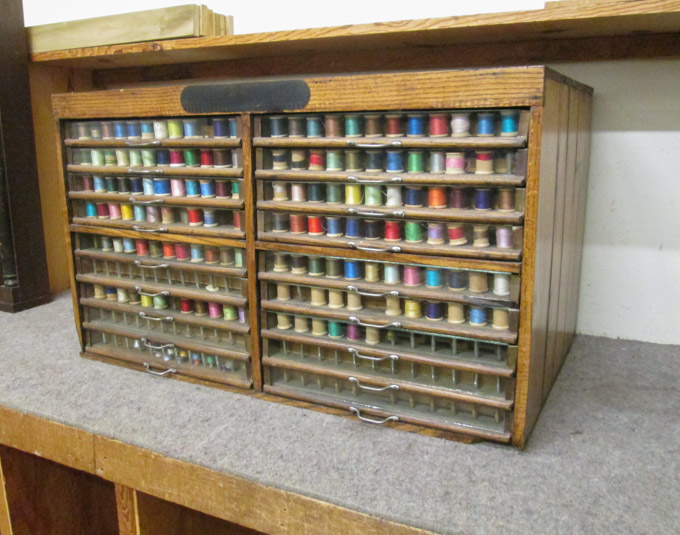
point(127, 511)
point(568, 21)
point(5, 518)
point(46, 438)
point(230, 497)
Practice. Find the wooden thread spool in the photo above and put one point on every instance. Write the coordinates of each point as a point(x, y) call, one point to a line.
point(372, 125)
point(301, 324)
point(333, 125)
point(99, 292)
point(280, 159)
point(501, 284)
point(319, 327)
point(412, 308)
point(318, 297)
point(298, 159)
point(484, 162)
point(281, 262)
point(501, 162)
point(478, 282)
point(283, 322)
point(500, 319)
point(298, 264)
point(316, 160)
point(298, 224)
point(334, 268)
point(354, 301)
point(371, 272)
point(392, 306)
point(282, 292)
point(335, 299)
point(455, 313)
point(372, 336)
point(280, 191)
point(480, 236)
point(506, 199)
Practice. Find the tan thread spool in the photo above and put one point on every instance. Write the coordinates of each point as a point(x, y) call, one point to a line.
point(283, 322)
point(480, 235)
point(412, 308)
point(280, 159)
point(282, 292)
point(335, 299)
point(298, 159)
point(280, 191)
point(392, 306)
point(455, 313)
point(280, 262)
point(484, 166)
point(99, 292)
point(500, 163)
point(501, 319)
point(354, 301)
point(371, 272)
point(478, 282)
point(372, 336)
point(506, 199)
point(301, 324)
point(318, 298)
point(319, 327)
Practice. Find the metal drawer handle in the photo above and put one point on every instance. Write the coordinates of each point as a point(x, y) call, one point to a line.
point(356, 320)
point(160, 374)
point(138, 289)
point(392, 180)
point(352, 143)
point(138, 144)
point(134, 200)
point(392, 293)
point(151, 266)
point(154, 318)
point(371, 420)
point(370, 213)
point(372, 388)
point(148, 344)
point(142, 229)
point(358, 355)
point(389, 249)
point(136, 171)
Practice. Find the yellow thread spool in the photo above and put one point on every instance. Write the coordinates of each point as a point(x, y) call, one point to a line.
point(371, 272)
point(282, 292)
point(126, 212)
point(301, 324)
point(501, 319)
point(392, 306)
point(335, 299)
point(146, 301)
point(318, 298)
point(319, 327)
point(352, 194)
point(372, 336)
point(412, 308)
point(99, 292)
point(283, 322)
point(354, 301)
point(456, 313)
point(480, 235)
point(478, 282)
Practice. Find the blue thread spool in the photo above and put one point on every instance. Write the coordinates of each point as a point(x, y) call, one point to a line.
point(147, 186)
point(207, 188)
point(140, 212)
point(433, 278)
point(191, 128)
point(353, 228)
point(233, 127)
point(161, 186)
point(193, 189)
point(485, 123)
point(334, 227)
point(129, 246)
point(483, 199)
point(316, 192)
point(374, 160)
point(136, 185)
point(90, 209)
point(111, 293)
point(352, 271)
point(196, 358)
point(415, 125)
point(220, 128)
point(162, 157)
point(99, 184)
point(394, 161)
point(477, 316)
point(106, 244)
point(278, 126)
point(414, 197)
point(352, 125)
point(509, 122)
point(147, 129)
point(391, 274)
point(134, 130)
point(119, 130)
point(434, 310)
point(458, 280)
point(210, 217)
point(314, 126)
point(111, 184)
point(197, 253)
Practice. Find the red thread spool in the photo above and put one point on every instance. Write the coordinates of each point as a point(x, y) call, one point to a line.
point(176, 157)
point(102, 210)
point(316, 160)
point(456, 233)
point(207, 158)
point(237, 220)
point(186, 306)
point(314, 225)
point(212, 255)
point(183, 251)
point(436, 197)
point(393, 125)
point(438, 125)
point(169, 250)
point(298, 224)
point(392, 231)
point(195, 216)
point(142, 247)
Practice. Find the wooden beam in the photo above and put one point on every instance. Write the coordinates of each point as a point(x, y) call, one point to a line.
point(127, 511)
point(5, 518)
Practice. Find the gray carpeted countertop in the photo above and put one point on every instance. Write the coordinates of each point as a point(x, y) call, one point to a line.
point(604, 457)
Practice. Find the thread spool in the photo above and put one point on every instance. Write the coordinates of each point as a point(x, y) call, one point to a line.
point(148, 186)
point(148, 157)
point(160, 302)
point(437, 162)
point(509, 123)
point(392, 231)
point(335, 330)
point(192, 187)
point(105, 243)
point(298, 264)
point(97, 156)
point(107, 130)
point(175, 129)
point(122, 158)
point(393, 196)
point(222, 189)
point(319, 327)
point(458, 280)
point(374, 161)
point(220, 129)
point(119, 245)
point(162, 157)
point(277, 126)
point(197, 253)
point(182, 251)
point(353, 160)
point(352, 270)
point(485, 124)
point(169, 250)
point(298, 192)
point(334, 160)
point(314, 126)
point(241, 315)
point(353, 332)
point(335, 299)
point(102, 210)
point(298, 159)
point(334, 227)
point(436, 197)
point(506, 199)
point(110, 158)
point(230, 313)
point(334, 193)
point(111, 293)
point(482, 199)
point(317, 266)
point(500, 319)
point(318, 297)
point(235, 189)
point(501, 284)
point(456, 234)
point(139, 213)
point(478, 282)
point(352, 125)
point(99, 184)
point(156, 249)
point(111, 184)
point(122, 295)
point(222, 158)
point(478, 316)
point(301, 324)
point(314, 225)
point(371, 272)
point(191, 128)
point(353, 228)
point(415, 125)
point(372, 125)
point(484, 162)
point(413, 232)
point(333, 126)
point(207, 187)
point(334, 268)
point(296, 126)
point(455, 163)
point(353, 194)
point(391, 274)
point(316, 192)
point(438, 125)
point(226, 255)
point(480, 236)
point(415, 162)
point(99, 291)
point(435, 233)
point(186, 306)
point(460, 124)
point(160, 129)
point(195, 216)
point(413, 197)
point(373, 230)
point(114, 211)
point(281, 264)
point(119, 129)
point(372, 336)
point(215, 310)
point(280, 222)
point(316, 160)
point(161, 186)
point(207, 158)
point(354, 302)
point(129, 246)
point(412, 276)
point(457, 198)
point(434, 311)
point(123, 184)
point(83, 130)
point(372, 195)
point(283, 322)
point(433, 278)
point(280, 159)
point(455, 313)
point(176, 158)
point(210, 218)
point(504, 237)
point(392, 306)
point(393, 161)
point(87, 184)
point(502, 162)
point(412, 309)
point(142, 247)
point(393, 126)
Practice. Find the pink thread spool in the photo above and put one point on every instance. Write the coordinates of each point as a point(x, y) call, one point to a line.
point(215, 310)
point(412, 276)
point(455, 163)
point(114, 211)
point(177, 187)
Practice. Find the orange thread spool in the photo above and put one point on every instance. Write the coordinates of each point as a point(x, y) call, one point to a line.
point(436, 197)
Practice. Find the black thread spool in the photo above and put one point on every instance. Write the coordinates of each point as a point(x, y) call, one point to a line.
point(298, 264)
point(280, 222)
point(373, 230)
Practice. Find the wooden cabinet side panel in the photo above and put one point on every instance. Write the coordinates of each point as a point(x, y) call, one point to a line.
point(127, 511)
point(5, 519)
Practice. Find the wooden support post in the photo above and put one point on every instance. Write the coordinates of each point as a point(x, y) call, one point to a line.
point(127, 510)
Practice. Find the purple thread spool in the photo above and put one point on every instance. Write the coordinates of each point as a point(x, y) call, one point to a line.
point(353, 332)
point(483, 199)
point(504, 237)
point(457, 198)
point(435, 233)
point(434, 311)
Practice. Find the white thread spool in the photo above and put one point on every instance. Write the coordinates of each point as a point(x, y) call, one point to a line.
point(393, 196)
point(280, 191)
point(460, 124)
point(501, 284)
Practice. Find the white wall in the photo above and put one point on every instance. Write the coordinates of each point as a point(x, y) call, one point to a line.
point(630, 284)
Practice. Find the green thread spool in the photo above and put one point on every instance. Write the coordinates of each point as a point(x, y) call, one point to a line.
point(316, 266)
point(97, 157)
point(333, 193)
point(160, 302)
point(238, 257)
point(148, 157)
point(155, 249)
point(335, 329)
point(229, 312)
point(372, 195)
point(415, 161)
point(352, 125)
point(135, 158)
point(334, 268)
point(110, 157)
point(413, 232)
point(175, 129)
point(192, 158)
point(334, 160)
point(235, 190)
point(210, 361)
point(353, 160)
point(122, 157)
